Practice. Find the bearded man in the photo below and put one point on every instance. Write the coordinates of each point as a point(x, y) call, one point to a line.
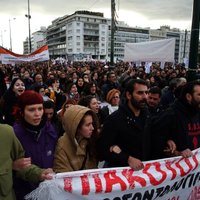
point(125, 139)
point(181, 122)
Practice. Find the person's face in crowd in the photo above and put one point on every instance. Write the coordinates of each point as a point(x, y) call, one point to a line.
point(38, 78)
point(87, 128)
point(93, 89)
point(58, 72)
point(173, 75)
point(33, 114)
point(152, 80)
point(138, 98)
point(183, 72)
point(26, 75)
point(95, 76)
point(115, 100)
point(74, 76)
point(158, 73)
point(51, 76)
point(153, 100)
point(49, 113)
point(73, 89)
point(94, 105)
point(62, 75)
point(80, 82)
point(194, 99)
point(86, 78)
point(56, 84)
point(42, 91)
point(104, 77)
point(18, 87)
point(22, 70)
point(112, 78)
point(163, 74)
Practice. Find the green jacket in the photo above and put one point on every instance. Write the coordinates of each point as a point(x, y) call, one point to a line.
point(10, 150)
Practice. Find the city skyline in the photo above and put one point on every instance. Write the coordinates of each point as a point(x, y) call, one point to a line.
point(140, 13)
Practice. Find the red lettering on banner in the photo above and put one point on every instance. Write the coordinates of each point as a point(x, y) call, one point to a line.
point(85, 185)
point(112, 179)
point(98, 183)
point(169, 167)
point(128, 174)
point(182, 172)
point(68, 184)
point(152, 179)
point(194, 157)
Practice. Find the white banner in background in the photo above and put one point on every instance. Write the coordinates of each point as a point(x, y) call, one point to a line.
point(167, 179)
point(152, 51)
point(8, 57)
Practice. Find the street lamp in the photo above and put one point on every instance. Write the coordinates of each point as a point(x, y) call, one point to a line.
point(10, 33)
point(29, 26)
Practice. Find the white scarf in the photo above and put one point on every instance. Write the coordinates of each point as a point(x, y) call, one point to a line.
point(112, 109)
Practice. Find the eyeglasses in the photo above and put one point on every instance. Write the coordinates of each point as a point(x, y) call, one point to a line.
point(115, 97)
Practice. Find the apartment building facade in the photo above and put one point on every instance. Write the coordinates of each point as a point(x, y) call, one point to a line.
point(82, 35)
point(87, 35)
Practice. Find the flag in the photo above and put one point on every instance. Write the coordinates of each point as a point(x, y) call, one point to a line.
point(9, 57)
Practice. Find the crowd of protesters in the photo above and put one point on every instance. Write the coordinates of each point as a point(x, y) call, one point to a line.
point(72, 116)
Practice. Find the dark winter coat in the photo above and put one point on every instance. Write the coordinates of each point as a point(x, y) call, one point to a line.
point(181, 123)
point(130, 133)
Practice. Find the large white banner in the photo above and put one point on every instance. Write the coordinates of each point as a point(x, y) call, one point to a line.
point(152, 51)
point(8, 57)
point(167, 179)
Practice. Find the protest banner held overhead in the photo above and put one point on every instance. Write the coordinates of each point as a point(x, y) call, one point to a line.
point(8, 57)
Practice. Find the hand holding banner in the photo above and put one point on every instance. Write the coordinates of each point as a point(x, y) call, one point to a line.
point(172, 178)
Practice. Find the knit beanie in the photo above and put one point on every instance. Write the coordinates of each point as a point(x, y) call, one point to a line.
point(111, 94)
point(29, 97)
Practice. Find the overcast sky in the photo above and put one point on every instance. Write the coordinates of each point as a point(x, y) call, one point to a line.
point(141, 13)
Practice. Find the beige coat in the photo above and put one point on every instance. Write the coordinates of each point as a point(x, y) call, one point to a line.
point(70, 150)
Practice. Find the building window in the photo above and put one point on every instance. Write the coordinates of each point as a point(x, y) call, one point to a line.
point(78, 30)
point(78, 38)
point(69, 31)
point(78, 43)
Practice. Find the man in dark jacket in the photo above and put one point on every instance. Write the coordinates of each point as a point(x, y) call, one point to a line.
point(125, 139)
point(110, 84)
point(181, 122)
point(153, 101)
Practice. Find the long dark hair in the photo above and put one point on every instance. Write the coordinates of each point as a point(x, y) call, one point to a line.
point(10, 89)
point(92, 141)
